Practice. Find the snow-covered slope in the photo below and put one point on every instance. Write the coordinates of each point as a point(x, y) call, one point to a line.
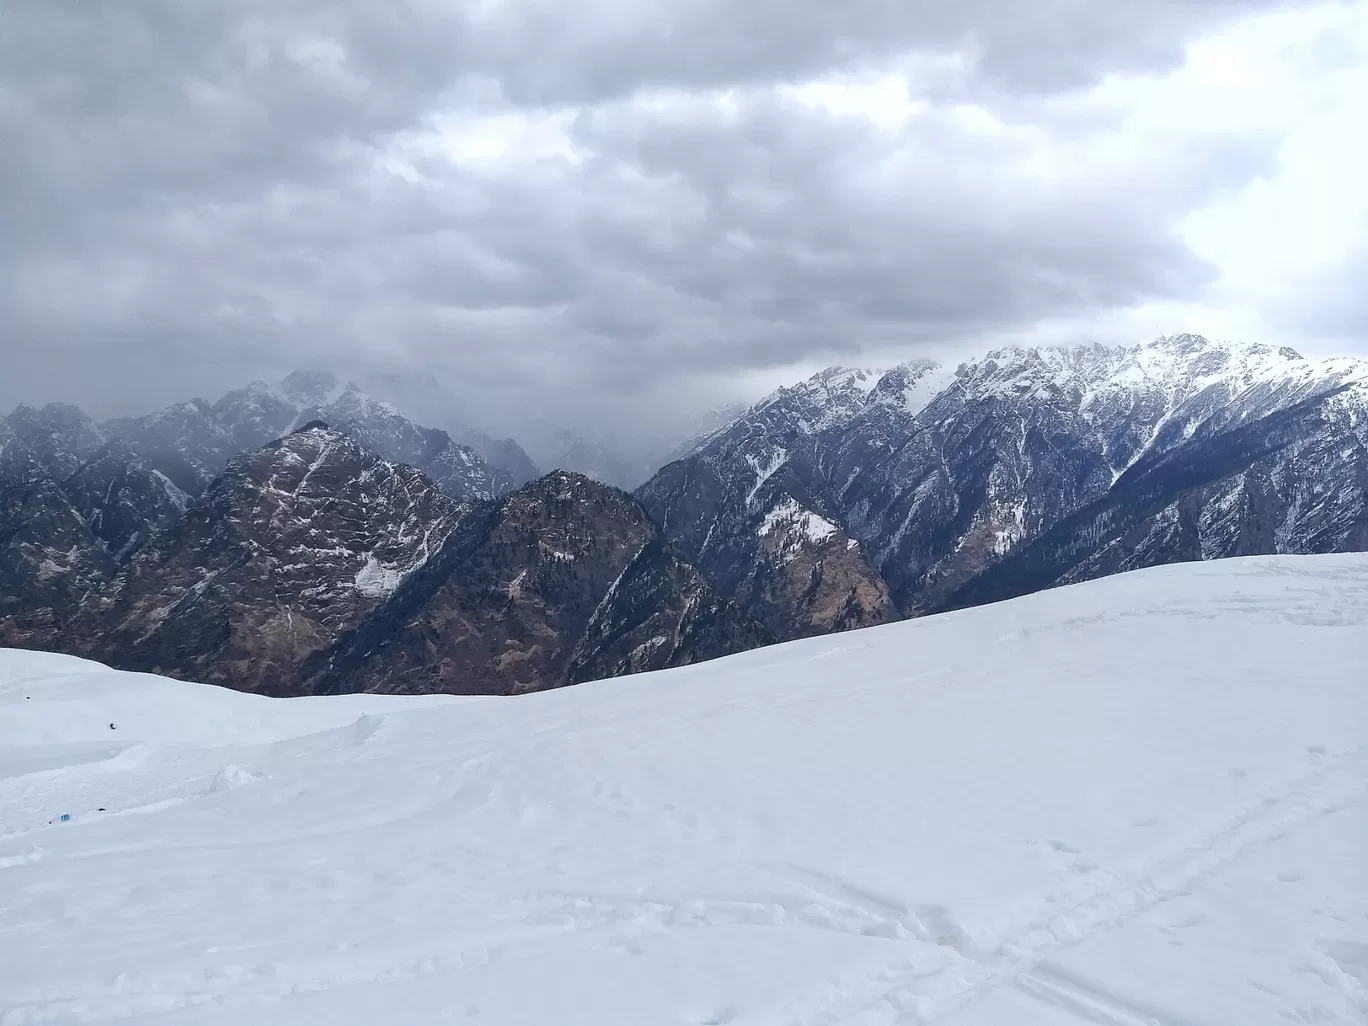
point(1136, 800)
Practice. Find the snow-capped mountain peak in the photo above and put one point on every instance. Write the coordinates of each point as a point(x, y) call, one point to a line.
point(261, 412)
point(59, 435)
point(826, 398)
point(310, 388)
point(942, 474)
point(908, 387)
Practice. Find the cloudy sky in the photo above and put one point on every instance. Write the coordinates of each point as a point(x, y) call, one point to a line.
point(600, 211)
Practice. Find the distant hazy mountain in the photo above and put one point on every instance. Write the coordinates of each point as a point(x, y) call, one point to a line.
point(626, 461)
point(707, 425)
point(261, 412)
point(427, 400)
point(129, 478)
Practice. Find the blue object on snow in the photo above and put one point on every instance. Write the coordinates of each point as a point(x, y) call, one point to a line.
point(66, 816)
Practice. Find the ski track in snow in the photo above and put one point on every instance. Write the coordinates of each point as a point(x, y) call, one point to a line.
point(943, 970)
point(935, 986)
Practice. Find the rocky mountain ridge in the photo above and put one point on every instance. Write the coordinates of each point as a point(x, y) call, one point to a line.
point(50, 561)
point(269, 577)
point(131, 477)
point(533, 591)
point(191, 442)
point(368, 553)
point(1078, 460)
point(291, 545)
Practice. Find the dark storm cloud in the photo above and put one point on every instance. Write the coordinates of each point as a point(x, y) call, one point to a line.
point(194, 193)
point(597, 50)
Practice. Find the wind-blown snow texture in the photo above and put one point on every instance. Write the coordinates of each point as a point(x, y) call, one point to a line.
point(1136, 800)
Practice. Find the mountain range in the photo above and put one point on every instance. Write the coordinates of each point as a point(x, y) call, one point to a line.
point(1027, 468)
point(256, 542)
point(303, 537)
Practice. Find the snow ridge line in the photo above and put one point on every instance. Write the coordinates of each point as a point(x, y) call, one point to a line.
point(933, 987)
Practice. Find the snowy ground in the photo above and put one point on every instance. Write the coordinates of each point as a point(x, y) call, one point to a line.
point(1139, 800)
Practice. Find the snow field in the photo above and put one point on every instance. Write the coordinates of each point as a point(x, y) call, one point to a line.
point(1137, 800)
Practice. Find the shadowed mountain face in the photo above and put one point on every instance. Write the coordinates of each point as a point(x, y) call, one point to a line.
point(528, 595)
point(659, 612)
point(123, 499)
point(60, 437)
point(1294, 480)
point(49, 559)
point(186, 442)
point(751, 510)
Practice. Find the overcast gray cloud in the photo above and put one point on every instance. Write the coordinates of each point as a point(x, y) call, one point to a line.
point(609, 209)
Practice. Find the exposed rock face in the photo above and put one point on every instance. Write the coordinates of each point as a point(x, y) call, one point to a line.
point(295, 550)
point(1293, 480)
point(291, 546)
point(123, 499)
point(509, 460)
point(49, 560)
point(751, 509)
point(1037, 466)
point(660, 612)
point(506, 605)
point(186, 442)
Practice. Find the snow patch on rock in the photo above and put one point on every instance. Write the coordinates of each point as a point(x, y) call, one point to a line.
point(377, 580)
